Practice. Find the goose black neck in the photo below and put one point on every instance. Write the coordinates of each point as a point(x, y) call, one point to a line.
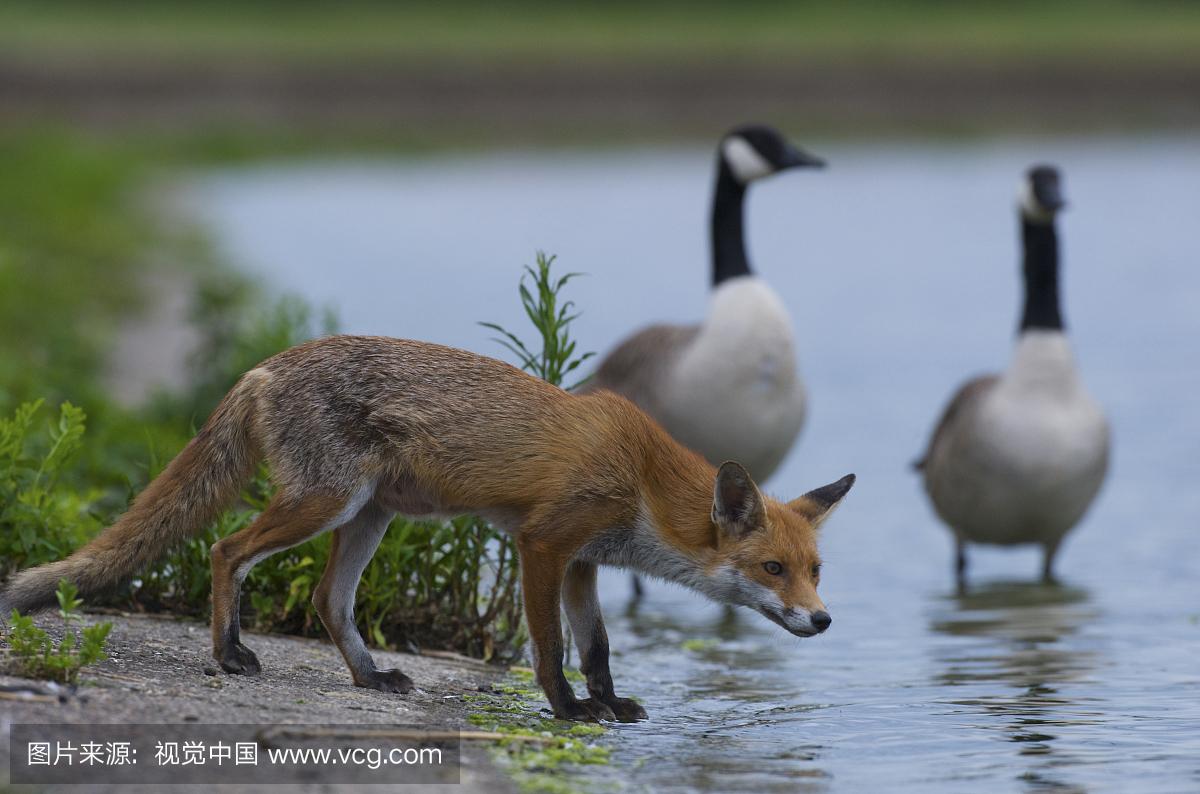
point(1041, 276)
point(728, 245)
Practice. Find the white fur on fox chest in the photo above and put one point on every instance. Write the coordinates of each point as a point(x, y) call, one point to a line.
point(735, 394)
point(1032, 456)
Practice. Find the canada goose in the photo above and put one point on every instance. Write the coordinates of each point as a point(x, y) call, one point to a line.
point(728, 387)
point(1018, 457)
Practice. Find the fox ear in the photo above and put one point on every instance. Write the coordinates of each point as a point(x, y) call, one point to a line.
point(817, 504)
point(737, 504)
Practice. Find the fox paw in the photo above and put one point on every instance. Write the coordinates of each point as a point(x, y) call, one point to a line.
point(589, 710)
point(627, 709)
point(239, 660)
point(392, 681)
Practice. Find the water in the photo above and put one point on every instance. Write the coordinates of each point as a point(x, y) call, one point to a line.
point(899, 266)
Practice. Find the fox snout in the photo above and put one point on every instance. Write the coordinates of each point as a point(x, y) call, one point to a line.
point(801, 622)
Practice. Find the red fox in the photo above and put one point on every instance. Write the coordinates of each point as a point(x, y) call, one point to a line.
point(357, 429)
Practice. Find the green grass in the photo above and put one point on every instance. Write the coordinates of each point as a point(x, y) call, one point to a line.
point(69, 238)
point(79, 233)
point(35, 655)
point(540, 32)
point(75, 243)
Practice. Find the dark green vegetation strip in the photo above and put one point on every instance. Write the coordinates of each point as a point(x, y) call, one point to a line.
point(540, 32)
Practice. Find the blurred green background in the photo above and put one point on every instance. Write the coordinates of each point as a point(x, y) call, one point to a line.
point(484, 72)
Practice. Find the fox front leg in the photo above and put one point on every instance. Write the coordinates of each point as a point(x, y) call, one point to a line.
point(541, 583)
point(582, 603)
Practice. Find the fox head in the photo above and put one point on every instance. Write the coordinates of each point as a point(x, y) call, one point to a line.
point(767, 550)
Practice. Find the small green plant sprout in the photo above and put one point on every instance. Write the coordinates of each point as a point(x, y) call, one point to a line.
point(34, 654)
point(557, 359)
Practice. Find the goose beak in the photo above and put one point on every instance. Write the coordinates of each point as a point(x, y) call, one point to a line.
point(795, 157)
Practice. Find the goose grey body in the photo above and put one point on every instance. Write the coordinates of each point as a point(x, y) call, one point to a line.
point(636, 366)
point(728, 387)
point(1019, 457)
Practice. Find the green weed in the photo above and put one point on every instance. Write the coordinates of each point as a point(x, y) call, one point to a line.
point(41, 521)
point(552, 320)
point(34, 653)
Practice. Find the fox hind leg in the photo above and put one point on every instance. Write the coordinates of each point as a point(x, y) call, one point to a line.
point(354, 544)
point(582, 604)
point(285, 523)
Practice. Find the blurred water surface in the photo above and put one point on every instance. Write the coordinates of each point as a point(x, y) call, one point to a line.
point(900, 266)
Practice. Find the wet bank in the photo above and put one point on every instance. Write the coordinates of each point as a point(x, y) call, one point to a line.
point(159, 671)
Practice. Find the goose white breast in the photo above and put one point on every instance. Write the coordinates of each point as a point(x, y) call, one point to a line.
point(734, 392)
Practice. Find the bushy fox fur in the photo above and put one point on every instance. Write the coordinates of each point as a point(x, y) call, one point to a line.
point(358, 429)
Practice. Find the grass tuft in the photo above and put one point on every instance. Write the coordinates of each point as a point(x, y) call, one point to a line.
point(35, 655)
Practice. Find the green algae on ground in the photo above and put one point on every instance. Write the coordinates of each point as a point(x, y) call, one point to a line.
point(525, 674)
point(547, 765)
point(699, 645)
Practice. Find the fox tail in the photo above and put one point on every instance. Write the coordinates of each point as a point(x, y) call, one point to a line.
point(194, 488)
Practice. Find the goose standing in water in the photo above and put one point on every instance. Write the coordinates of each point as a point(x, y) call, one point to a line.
point(729, 387)
point(1018, 457)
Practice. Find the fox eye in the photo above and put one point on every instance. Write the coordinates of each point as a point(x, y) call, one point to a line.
point(773, 568)
point(816, 571)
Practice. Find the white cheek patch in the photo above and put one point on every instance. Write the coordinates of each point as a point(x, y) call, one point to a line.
point(731, 587)
point(728, 586)
point(763, 597)
point(1030, 207)
point(744, 160)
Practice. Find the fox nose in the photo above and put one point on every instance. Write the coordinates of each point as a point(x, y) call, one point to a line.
point(821, 620)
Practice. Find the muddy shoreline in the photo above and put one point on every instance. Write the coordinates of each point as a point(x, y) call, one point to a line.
point(159, 670)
